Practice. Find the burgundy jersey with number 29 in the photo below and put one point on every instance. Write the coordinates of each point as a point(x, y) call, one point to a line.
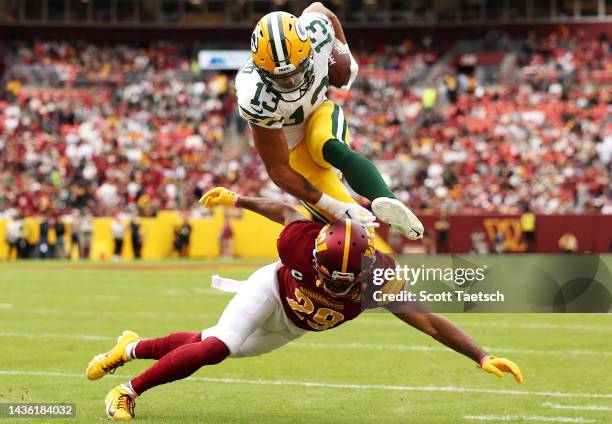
point(307, 304)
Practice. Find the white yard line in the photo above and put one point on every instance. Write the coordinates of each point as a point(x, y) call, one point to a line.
point(44, 311)
point(538, 326)
point(365, 346)
point(365, 320)
point(56, 336)
point(421, 348)
point(555, 352)
point(528, 326)
point(577, 407)
point(445, 389)
point(528, 418)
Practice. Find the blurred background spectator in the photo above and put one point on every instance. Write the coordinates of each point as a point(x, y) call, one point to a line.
point(14, 238)
point(118, 230)
point(137, 235)
point(568, 243)
point(60, 234)
point(182, 235)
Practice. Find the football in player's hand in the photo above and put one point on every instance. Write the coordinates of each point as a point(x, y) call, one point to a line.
point(339, 69)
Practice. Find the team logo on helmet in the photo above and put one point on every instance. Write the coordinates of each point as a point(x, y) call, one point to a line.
point(320, 244)
point(301, 32)
point(343, 254)
point(254, 41)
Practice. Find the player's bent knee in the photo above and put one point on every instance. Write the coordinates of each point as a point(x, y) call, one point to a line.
point(316, 151)
point(336, 153)
point(231, 340)
point(215, 350)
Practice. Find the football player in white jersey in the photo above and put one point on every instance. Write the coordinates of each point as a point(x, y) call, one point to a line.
point(301, 135)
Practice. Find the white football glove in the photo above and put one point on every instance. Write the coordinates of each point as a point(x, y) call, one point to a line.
point(343, 210)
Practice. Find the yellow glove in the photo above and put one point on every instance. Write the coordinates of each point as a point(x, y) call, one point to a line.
point(219, 196)
point(499, 366)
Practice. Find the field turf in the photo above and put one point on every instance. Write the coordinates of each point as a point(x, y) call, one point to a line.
point(55, 316)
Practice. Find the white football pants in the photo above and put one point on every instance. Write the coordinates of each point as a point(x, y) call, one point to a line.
point(254, 321)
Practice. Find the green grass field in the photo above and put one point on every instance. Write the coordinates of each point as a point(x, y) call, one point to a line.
point(54, 317)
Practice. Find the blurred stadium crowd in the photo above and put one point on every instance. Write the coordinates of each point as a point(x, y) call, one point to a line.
point(126, 129)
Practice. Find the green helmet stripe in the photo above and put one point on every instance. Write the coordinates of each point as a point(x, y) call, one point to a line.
point(273, 41)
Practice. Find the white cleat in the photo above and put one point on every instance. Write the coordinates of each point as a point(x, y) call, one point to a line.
point(398, 216)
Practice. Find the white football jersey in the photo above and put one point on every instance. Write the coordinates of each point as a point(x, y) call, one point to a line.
point(265, 108)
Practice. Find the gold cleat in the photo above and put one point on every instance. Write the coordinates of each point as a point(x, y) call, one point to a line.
point(120, 404)
point(105, 363)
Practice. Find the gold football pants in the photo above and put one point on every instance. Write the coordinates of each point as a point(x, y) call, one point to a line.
point(326, 123)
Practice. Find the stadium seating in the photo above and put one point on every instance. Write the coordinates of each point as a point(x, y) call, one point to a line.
point(141, 129)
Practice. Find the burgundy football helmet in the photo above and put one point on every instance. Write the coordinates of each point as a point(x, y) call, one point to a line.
point(344, 252)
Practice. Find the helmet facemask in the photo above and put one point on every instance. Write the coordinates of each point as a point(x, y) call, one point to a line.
point(338, 283)
point(343, 256)
point(286, 84)
point(335, 288)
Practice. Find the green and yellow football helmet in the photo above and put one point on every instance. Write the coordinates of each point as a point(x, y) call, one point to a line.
point(282, 54)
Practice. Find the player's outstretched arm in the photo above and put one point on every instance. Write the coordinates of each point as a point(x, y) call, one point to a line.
point(272, 209)
point(452, 336)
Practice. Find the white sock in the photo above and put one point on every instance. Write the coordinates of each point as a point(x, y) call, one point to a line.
point(130, 349)
point(128, 386)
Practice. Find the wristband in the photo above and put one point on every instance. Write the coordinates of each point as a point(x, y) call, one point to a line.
point(328, 203)
point(236, 202)
point(482, 358)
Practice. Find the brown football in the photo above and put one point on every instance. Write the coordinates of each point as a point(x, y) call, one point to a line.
point(339, 66)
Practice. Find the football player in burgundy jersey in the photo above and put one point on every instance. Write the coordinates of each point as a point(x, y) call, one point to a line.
point(321, 281)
